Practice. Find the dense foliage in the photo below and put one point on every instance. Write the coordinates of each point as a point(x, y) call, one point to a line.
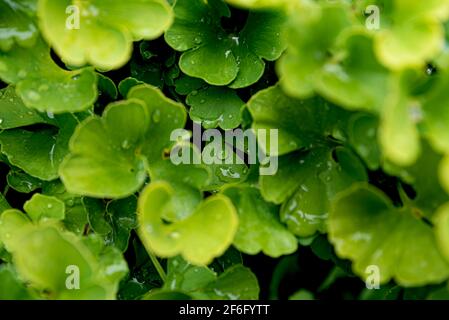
point(93, 207)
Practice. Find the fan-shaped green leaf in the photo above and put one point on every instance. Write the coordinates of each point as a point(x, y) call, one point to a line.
point(365, 227)
point(16, 25)
point(42, 255)
point(101, 32)
point(205, 233)
point(43, 85)
point(41, 207)
point(39, 153)
point(216, 106)
point(105, 157)
point(259, 225)
point(223, 57)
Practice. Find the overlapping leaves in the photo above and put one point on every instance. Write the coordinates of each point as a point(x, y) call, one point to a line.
point(101, 32)
point(99, 178)
point(27, 237)
point(130, 135)
point(313, 166)
point(219, 56)
point(174, 219)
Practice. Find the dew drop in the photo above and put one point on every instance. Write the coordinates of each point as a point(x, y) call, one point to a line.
point(156, 116)
point(33, 95)
point(228, 175)
point(93, 10)
point(22, 74)
point(175, 235)
point(49, 206)
point(125, 144)
point(76, 77)
point(416, 113)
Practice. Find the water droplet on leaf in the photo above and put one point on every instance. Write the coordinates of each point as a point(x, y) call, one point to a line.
point(156, 116)
point(22, 74)
point(125, 144)
point(33, 95)
point(43, 87)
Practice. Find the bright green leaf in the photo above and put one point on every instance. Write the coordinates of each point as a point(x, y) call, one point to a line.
point(206, 233)
point(101, 32)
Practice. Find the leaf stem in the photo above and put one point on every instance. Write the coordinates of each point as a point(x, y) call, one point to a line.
point(5, 191)
point(157, 265)
point(404, 197)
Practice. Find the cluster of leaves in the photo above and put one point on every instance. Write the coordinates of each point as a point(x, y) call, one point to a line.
point(86, 118)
